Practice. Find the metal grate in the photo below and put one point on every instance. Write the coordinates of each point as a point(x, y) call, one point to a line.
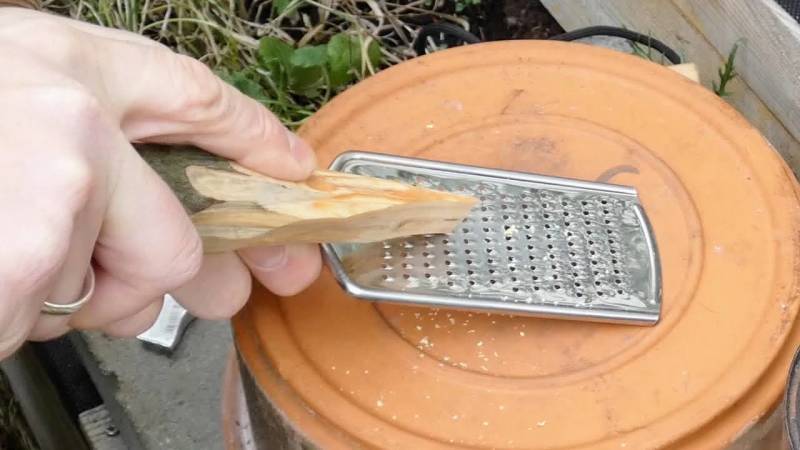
point(534, 245)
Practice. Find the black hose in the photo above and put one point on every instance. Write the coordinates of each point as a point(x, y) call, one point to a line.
point(464, 36)
point(581, 33)
point(445, 28)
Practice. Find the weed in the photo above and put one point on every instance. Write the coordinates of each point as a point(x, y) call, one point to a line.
point(726, 73)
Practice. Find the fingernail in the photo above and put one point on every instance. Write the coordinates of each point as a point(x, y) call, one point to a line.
point(266, 258)
point(302, 152)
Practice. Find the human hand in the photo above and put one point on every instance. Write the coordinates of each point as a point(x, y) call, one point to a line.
point(72, 98)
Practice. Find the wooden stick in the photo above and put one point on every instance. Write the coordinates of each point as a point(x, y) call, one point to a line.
point(233, 207)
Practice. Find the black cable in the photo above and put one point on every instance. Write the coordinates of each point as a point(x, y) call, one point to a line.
point(601, 30)
point(442, 28)
point(458, 34)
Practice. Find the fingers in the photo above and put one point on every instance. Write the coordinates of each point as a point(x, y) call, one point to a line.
point(45, 195)
point(137, 323)
point(177, 99)
point(147, 246)
point(219, 290)
point(284, 270)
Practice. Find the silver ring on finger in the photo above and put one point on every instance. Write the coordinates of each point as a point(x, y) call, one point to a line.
point(63, 309)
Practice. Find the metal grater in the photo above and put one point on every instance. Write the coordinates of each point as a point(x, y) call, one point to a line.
point(534, 245)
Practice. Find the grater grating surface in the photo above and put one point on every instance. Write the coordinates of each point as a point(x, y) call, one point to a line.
point(534, 245)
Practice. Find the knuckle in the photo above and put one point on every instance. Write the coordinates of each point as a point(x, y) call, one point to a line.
point(75, 182)
point(201, 94)
point(180, 265)
point(77, 104)
point(72, 103)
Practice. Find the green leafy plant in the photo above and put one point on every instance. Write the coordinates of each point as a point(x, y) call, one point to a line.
point(726, 73)
point(312, 69)
point(285, 77)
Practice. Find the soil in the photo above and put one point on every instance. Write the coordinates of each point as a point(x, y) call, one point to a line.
point(512, 19)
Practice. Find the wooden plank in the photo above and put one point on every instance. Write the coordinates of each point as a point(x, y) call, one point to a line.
point(768, 57)
point(665, 21)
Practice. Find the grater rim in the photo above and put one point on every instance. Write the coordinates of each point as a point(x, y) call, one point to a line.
point(601, 313)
